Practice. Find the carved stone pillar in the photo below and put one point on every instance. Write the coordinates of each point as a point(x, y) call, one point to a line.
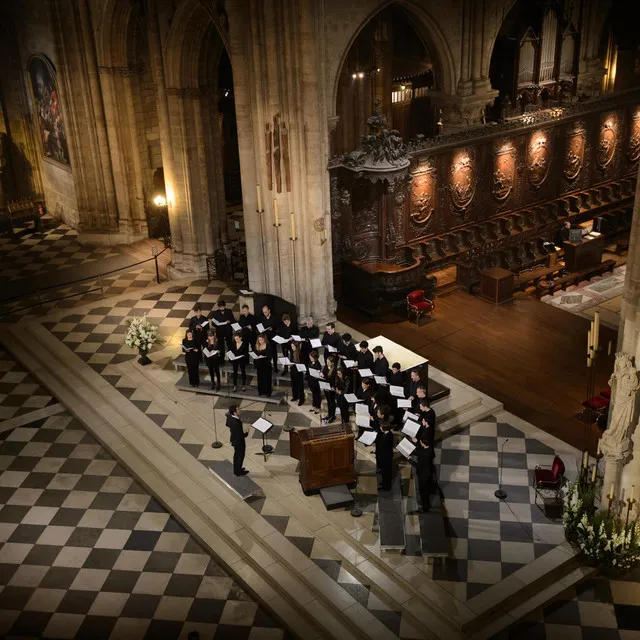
point(276, 56)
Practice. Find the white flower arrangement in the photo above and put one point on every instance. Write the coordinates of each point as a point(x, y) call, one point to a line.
point(142, 334)
point(604, 537)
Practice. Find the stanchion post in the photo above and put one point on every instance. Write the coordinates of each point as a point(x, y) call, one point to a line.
point(154, 251)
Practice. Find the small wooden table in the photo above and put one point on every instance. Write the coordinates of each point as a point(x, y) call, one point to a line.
point(584, 254)
point(496, 285)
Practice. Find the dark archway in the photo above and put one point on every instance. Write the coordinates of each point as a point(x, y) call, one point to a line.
point(390, 62)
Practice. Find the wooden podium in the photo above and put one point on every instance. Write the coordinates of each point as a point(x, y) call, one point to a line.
point(496, 285)
point(326, 456)
point(584, 254)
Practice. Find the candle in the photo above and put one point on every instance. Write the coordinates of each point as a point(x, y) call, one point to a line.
point(588, 361)
point(599, 442)
point(259, 198)
point(585, 459)
point(593, 475)
point(293, 227)
point(589, 342)
point(275, 212)
point(596, 331)
point(610, 496)
point(609, 349)
point(633, 494)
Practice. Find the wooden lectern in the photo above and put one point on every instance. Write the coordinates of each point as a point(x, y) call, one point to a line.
point(326, 456)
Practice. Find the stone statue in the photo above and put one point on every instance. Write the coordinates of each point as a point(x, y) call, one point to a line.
point(624, 383)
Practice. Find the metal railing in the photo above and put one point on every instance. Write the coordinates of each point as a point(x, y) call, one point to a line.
point(99, 277)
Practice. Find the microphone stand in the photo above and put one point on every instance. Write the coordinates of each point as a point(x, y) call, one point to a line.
point(216, 443)
point(500, 493)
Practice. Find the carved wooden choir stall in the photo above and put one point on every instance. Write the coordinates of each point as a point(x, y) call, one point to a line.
point(491, 196)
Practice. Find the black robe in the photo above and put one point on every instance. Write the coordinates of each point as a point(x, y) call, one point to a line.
point(248, 324)
point(307, 334)
point(191, 350)
point(264, 370)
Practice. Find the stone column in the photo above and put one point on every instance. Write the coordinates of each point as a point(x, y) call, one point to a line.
point(629, 337)
point(157, 70)
point(277, 57)
point(83, 106)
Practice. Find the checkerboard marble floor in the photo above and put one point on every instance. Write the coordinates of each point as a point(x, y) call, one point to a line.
point(86, 552)
point(36, 253)
point(597, 609)
point(489, 540)
point(133, 280)
point(20, 393)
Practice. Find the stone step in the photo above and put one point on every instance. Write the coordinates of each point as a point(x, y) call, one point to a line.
point(250, 393)
point(226, 368)
point(519, 600)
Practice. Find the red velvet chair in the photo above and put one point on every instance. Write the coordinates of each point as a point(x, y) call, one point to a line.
point(549, 479)
point(418, 304)
point(606, 393)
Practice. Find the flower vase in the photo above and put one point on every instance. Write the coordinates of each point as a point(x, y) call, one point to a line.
point(143, 359)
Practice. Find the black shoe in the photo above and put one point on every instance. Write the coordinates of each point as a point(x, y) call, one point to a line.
point(242, 473)
point(218, 387)
point(300, 403)
point(213, 387)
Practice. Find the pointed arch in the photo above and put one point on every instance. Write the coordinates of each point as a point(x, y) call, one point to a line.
point(430, 32)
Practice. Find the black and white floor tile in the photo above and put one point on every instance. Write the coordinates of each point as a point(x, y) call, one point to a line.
point(36, 253)
point(20, 393)
point(86, 552)
point(597, 609)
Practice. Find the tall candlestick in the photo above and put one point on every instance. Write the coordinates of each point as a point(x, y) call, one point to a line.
point(589, 342)
point(585, 459)
point(609, 349)
point(293, 227)
point(599, 443)
point(275, 212)
point(588, 361)
point(610, 495)
point(259, 197)
point(596, 329)
point(632, 499)
point(593, 475)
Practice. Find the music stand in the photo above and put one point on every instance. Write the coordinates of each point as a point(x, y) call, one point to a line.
point(263, 426)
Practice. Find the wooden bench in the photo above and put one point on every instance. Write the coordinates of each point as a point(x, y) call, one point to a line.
point(533, 277)
point(622, 244)
point(547, 287)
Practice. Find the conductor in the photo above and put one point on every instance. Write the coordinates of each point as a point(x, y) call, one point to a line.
point(236, 436)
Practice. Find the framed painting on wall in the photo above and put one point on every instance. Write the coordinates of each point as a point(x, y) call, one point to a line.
point(48, 110)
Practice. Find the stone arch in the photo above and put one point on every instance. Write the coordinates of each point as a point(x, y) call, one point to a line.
point(493, 36)
point(190, 32)
point(428, 30)
point(113, 35)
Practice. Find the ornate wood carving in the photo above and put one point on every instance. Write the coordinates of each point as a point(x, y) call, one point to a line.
point(267, 146)
point(285, 157)
point(574, 160)
point(423, 195)
point(504, 172)
point(277, 152)
point(634, 137)
point(608, 141)
point(463, 180)
point(538, 159)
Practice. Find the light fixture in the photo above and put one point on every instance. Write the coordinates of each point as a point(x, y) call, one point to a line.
point(354, 76)
point(226, 93)
point(160, 201)
point(378, 70)
point(403, 87)
point(361, 75)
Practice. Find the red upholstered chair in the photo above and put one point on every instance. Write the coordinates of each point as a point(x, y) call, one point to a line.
point(549, 479)
point(418, 304)
point(597, 403)
point(606, 393)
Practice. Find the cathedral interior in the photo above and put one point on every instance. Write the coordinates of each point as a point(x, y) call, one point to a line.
point(453, 182)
